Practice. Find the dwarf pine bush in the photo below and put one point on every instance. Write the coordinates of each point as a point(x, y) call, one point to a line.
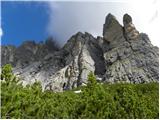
point(95, 101)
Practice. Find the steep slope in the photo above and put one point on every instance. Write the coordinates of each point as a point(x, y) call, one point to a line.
point(121, 55)
point(81, 55)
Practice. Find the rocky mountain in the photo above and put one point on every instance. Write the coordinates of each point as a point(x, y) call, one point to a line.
point(121, 55)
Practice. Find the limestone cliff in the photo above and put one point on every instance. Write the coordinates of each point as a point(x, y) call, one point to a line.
point(121, 55)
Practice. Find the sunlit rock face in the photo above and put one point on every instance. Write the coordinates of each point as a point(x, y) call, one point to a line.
point(132, 58)
point(122, 54)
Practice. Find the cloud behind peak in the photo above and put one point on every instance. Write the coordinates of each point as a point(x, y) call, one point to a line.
point(68, 18)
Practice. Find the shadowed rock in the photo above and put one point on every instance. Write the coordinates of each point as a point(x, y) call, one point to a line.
point(111, 28)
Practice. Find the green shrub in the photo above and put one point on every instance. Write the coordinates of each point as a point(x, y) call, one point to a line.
point(95, 101)
point(6, 72)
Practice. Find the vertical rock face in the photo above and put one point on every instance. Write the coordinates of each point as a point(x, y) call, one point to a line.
point(121, 55)
point(111, 29)
point(82, 56)
point(130, 31)
point(7, 54)
point(133, 58)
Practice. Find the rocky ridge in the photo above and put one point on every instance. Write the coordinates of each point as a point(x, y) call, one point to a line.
point(121, 55)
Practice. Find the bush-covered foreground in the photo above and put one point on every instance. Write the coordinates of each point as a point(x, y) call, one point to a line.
point(95, 101)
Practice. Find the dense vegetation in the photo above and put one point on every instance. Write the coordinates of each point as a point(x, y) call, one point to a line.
point(95, 101)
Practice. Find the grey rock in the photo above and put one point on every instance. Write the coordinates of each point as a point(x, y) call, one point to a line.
point(83, 56)
point(133, 60)
point(111, 28)
point(130, 31)
point(113, 33)
point(122, 54)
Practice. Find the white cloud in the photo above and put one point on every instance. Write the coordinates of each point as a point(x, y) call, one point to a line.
point(146, 18)
point(67, 18)
point(1, 32)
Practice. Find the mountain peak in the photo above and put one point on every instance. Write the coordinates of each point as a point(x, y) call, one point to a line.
point(121, 55)
point(111, 27)
point(127, 19)
point(130, 31)
point(110, 18)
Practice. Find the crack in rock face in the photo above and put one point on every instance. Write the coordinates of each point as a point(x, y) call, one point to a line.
point(122, 54)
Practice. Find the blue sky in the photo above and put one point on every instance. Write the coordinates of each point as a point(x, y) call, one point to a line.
point(23, 21)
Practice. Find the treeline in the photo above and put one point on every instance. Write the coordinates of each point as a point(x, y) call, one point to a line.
point(95, 101)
